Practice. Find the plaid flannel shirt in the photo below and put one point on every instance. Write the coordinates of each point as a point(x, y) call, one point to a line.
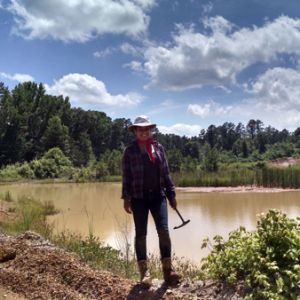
point(132, 167)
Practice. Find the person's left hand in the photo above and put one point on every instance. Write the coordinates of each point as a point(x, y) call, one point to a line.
point(173, 203)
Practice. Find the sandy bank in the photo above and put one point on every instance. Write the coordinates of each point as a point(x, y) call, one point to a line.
point(236, 189)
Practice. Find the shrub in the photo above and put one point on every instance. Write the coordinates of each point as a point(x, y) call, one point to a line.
point(25, 171)
point(10, 172)
point(266, 259)
point(101, 170)
point(51, 165)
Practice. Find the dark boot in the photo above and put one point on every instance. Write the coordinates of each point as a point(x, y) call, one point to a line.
point(145, 277)
point(170, 276)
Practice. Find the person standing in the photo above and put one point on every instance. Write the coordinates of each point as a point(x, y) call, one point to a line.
point(146, 184)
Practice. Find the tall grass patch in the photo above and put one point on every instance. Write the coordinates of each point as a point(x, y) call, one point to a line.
point(93, 251)
point(30, 214)
point(227, 175)
point(285, 177)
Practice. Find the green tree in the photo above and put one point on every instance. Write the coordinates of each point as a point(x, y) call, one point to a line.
point(81, 151)
point(191, 149)
point(175, 159)
point(211, 135)
point(253, 127)
point(228, 135)
point(211, 158)
point(56, 135)
point(112, 159)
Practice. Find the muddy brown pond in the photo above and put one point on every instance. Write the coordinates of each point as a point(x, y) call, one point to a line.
point(97, 207)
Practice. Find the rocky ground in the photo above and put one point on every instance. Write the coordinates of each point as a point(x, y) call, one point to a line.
point(32, 268)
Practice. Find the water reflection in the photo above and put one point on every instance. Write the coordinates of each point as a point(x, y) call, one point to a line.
point(98, 207)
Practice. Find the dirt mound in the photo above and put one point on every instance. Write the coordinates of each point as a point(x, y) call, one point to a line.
point(35, 269)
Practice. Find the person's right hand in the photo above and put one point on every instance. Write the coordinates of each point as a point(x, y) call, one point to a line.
point(173, 203)
point(127, 206)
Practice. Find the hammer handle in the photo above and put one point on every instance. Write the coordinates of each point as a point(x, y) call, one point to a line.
point(179, 215)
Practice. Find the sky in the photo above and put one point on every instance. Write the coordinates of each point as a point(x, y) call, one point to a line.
point(186, 64)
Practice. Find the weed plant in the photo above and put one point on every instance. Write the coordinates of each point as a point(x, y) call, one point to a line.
point(6, 196)
point(92, 250)
point(267, 260)
point(29, 214)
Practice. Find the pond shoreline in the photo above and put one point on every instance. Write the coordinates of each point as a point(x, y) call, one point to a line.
point(234, 189)
point(188, 189)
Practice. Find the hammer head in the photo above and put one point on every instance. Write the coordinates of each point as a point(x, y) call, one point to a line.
point(184, 223)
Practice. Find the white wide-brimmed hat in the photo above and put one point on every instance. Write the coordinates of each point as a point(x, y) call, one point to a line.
point(141, 121)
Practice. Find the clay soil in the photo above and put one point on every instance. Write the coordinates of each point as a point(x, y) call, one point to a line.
point(33, 268)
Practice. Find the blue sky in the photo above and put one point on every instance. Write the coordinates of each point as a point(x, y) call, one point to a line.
point(186, 63)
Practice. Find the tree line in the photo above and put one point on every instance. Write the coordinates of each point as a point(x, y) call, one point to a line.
point(32, 122)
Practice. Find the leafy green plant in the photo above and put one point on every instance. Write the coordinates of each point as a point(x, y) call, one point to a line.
point(25, 171)
point(10, 172)
point(267, 260)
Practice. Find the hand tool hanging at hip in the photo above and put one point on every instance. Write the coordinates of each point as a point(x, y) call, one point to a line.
point(183, 221)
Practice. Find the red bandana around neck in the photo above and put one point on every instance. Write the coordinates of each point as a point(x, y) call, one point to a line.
point(149, 146)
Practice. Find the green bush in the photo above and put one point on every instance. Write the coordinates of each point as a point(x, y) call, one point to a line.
point(267, 260)
point(10, 172)
point(101, 170)
point(51, 165)
point(25, 171)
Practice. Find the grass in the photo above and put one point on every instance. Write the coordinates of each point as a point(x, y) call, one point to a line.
point(6, 196)
point(241, 174)
point(29, 214)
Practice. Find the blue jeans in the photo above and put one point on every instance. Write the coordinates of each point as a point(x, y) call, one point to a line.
point(157, 205)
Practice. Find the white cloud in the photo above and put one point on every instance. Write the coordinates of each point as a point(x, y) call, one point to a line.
point(211, 108)
point(130, 49)
point(17, 77)
point(195, 59)
point(146, 4)
point(85, 89)
point(135, 66)
point(218, 25)
point(274, 99)
point(278, 89)
point(79, 21)
point(181, 129)
point(104, 53)
point(207, 8)
point(125, 48)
